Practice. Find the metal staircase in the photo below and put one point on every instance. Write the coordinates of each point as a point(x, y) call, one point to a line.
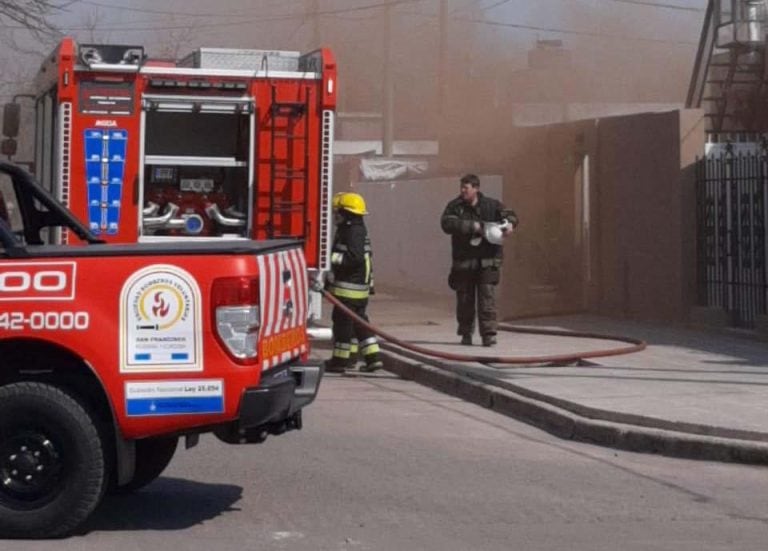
point(729, 75)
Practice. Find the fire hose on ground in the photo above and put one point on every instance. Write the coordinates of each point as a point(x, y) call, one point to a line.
point(635, 345)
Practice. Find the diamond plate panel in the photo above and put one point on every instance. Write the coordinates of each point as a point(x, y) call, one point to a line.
point(238, 59)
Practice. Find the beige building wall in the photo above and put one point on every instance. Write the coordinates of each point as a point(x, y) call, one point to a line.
point(607, 211)
point(410, 250)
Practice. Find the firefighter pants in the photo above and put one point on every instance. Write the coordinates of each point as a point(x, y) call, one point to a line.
point(346, 331)
point(475, 296)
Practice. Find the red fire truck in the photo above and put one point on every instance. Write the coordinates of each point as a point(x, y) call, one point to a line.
point(109, 354)
point(222, 144)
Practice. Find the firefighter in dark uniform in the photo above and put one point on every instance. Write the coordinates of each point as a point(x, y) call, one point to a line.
point(351, 281)
point(476, 256)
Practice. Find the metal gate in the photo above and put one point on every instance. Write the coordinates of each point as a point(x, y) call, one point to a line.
point(732, 209)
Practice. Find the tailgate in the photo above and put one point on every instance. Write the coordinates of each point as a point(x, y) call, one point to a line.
point(283, 294)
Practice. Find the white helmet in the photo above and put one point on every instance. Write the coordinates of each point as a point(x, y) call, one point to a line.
point(494, 232)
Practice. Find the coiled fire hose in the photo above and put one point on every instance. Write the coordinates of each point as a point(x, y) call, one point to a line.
point(636, 345)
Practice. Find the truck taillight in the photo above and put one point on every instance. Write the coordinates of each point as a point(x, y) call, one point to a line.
point(236, 315)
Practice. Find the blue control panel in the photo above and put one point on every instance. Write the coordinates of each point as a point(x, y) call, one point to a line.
point(105, 169)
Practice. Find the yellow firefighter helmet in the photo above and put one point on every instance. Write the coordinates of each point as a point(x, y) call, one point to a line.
point(351, 202)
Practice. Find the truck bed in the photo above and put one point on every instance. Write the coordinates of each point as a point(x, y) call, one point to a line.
point(235, 247)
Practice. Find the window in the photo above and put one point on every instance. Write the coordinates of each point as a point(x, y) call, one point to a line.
point(195, 134)
point(9, 207)
point(46, 141)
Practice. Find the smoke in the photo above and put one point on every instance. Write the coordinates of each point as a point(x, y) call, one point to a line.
point(617, 51)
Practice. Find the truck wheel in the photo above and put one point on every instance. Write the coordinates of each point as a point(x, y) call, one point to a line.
point(52, 469)
point(152, 457)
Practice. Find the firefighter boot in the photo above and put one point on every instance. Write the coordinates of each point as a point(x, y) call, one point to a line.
point(372, 363)
point(336, 365)
point(370, 349)
point(489, 340)
point(341, 359)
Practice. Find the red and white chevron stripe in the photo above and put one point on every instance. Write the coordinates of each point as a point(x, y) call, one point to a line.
point(283, 301)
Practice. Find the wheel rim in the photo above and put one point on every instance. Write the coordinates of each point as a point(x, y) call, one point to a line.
point(30, 468)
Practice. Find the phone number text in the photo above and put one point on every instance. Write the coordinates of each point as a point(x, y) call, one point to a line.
point(45, 321)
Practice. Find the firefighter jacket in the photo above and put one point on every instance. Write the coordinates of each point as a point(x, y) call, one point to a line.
point(351, 260)
point(469, 250)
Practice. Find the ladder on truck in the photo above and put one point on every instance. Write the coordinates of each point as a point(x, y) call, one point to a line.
point(289, 167)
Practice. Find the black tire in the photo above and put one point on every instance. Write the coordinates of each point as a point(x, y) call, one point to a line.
point(152, 457)
point(52, 468)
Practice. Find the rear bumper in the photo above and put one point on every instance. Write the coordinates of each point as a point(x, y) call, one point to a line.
point(281, 393)
point(275, 405)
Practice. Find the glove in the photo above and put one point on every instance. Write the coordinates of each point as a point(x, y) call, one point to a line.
point(337, 258)
point(318, 284)
point(329, 279)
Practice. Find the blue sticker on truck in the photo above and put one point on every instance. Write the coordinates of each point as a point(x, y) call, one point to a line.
point(174, 397)
point(104, 172)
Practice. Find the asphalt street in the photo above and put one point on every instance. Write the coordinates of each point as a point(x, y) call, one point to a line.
point(385, 464)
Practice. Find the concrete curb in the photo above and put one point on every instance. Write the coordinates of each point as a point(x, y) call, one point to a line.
point(580, 410)
point(569, 425)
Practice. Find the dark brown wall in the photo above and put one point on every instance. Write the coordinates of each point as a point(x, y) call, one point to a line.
point(639, 223)
point(692, 140)
point(646, 223)
point(543, 270)
point(642, 233)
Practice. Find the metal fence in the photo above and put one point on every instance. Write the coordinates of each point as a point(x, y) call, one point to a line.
point(732, 210)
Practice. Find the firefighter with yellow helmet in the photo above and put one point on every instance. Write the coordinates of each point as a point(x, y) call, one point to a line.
point(351, 281)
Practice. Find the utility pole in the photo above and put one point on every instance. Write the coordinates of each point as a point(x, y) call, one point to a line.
point(313, 13)
point(442, 45)
point(388, 107)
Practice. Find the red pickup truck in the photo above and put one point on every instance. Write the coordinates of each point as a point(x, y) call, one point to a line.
point(110, 353)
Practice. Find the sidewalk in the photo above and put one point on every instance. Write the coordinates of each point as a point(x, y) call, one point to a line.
point(691, 393)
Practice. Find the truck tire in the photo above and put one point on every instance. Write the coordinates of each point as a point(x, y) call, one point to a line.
point(152, 457)
point(52, 468)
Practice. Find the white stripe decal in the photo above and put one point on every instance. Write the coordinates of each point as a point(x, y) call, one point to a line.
point(273, 304)
point(279, 326)
point(305, 284)
point(295, 293)
point(262, 296)
point(281, 296)
point(263, 299)
point(274, 294)
point(301, 268)
point(285, 291)
point(288, 321)
point(262, 288)
point(277, 301)
point(302, 278)
point(270, 309)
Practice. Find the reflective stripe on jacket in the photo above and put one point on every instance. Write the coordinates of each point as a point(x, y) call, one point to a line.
point(351, 260)
point(458, 220)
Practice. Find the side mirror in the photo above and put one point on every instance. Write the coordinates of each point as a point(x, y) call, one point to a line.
point(8, 147)
point(11, 119)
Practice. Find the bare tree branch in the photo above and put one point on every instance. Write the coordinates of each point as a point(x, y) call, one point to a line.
point(173, 42)
point(31, 15)
point(92, 22)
